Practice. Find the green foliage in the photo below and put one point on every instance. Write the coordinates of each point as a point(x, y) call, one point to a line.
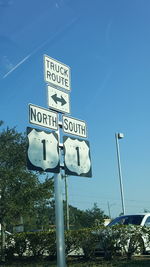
point(40, 243)
point(82, 240)
point(72, 241)
point(32, 244)
point(85, 219)
point(95, 216)
point(124, 239)
point(111, 240)
point(87, 241)
point(20, 244)
point(22, 192)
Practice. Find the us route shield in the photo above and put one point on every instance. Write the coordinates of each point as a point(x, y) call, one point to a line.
point(43, 151)
point(77, 161)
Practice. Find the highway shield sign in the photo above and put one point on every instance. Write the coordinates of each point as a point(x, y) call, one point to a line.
point(43, 151)
point(77, 160)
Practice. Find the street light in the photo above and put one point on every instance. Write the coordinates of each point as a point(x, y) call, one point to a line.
point(120, 136)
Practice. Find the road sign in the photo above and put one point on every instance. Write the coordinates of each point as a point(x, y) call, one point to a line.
point(77, 160)
point(43, 117)
point(74, 126)
point(43, 151)
point(58, 100)
point(57, 73)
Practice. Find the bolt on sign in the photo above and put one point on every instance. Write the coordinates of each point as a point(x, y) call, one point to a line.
point(57, 73)
point(77, 160)
point(43, 151)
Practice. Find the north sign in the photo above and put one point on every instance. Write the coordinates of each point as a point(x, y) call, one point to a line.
point(43, 117)
point(58, 100)
point(74, 126)
point(57, 73)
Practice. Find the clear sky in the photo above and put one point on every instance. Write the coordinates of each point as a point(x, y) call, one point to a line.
point(107, 46)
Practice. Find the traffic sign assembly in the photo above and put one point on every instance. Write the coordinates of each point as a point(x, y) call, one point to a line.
point(77, 161)
point(74, 126)
point(56, 73)
point(43, 151)
point(43, 117)
point(58, 100)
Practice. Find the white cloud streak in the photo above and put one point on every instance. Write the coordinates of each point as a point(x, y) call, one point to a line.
point(16, 66)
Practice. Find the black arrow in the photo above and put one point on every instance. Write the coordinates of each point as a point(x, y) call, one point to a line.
point(58, 99)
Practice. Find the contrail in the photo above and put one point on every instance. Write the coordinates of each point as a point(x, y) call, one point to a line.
point(38, 48)
point(15, 67)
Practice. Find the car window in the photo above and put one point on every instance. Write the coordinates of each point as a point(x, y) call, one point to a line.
point(147, 223)
point(125, 220)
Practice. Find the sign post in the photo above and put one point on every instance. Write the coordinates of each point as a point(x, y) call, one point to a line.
point(59, 221)
point(59, 217)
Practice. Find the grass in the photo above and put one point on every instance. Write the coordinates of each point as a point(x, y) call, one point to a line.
point(142, 261)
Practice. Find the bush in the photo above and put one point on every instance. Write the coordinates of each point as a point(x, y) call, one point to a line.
point(130, 240)
point(126, 240)
point(123, 239)
point(107, 238)
point(16, 244)
point(72, 241)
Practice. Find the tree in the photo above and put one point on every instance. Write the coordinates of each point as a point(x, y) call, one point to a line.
point(85, 218)
point(20, 189)
point(95, 216)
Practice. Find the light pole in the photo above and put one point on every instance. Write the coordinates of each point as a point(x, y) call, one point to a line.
point(120, 136)
point(109, 206)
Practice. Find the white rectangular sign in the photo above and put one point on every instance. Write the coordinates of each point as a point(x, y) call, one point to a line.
point(74, 126)
point(57, 73)
point(58, 100)
point(43, 117)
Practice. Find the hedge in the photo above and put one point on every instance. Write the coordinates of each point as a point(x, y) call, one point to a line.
point(112, 240)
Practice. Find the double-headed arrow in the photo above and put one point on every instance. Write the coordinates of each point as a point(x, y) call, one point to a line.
point(58, 99)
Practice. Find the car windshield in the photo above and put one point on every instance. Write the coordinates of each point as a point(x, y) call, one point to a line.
point(125, 220)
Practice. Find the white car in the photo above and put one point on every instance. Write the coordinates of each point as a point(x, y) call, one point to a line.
point(141, 219)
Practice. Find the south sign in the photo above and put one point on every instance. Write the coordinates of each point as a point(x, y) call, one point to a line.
point(74, 126)
point(56, 73)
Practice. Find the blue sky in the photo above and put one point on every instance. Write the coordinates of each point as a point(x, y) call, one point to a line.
point(106, 44)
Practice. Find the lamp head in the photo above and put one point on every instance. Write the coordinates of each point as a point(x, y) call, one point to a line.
point(120, 135)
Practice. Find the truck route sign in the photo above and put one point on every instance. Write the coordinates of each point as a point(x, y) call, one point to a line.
point(57, 73)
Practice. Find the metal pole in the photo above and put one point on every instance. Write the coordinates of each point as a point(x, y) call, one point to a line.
point(59, 221)
point(59, 216)
point(109, 210)
point(67, 206)
point(120, 173)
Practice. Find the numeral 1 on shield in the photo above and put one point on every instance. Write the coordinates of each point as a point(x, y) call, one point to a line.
point(44, 149)
point(78, 156)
